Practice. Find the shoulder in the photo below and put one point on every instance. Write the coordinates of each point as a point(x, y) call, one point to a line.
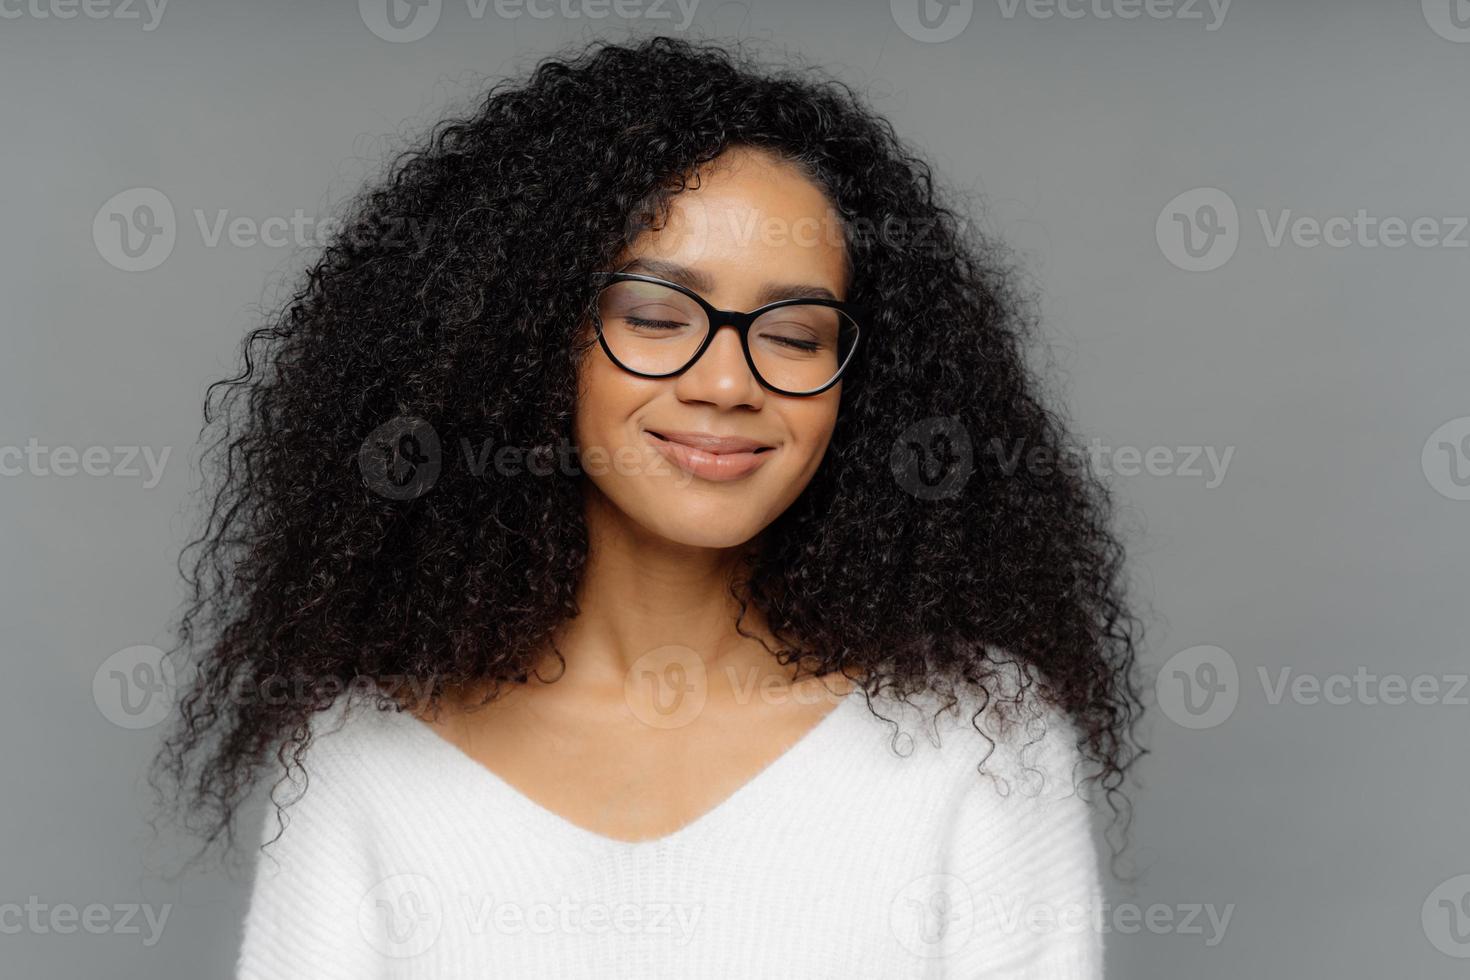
point(331, 747)
point(992, 782)
point(332, 776)
point(317, 863)
point(999, 730)
point(1019, 863)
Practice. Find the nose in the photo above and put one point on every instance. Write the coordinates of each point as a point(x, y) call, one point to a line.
point(721, 376)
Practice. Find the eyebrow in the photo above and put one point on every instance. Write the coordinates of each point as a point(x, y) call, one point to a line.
point(701, 282)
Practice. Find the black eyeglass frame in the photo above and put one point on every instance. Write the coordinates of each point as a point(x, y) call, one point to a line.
point(741, 321)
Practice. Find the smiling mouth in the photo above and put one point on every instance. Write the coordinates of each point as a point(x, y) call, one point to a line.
point(715, 452)
point(712, 458)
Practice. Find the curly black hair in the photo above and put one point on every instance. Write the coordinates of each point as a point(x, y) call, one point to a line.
point(448, 305)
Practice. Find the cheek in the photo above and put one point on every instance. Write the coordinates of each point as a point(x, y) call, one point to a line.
point(596, 391)
point(813, 424)
point(606, 398)
point(590, 424)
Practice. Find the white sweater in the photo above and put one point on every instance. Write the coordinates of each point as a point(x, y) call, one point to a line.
point(862, 852)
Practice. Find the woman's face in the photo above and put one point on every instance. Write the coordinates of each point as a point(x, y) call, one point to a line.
point(753, 224)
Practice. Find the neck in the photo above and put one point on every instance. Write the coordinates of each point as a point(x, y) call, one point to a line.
point(647, 601)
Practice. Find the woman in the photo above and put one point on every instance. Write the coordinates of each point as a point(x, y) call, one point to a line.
point(697, 652)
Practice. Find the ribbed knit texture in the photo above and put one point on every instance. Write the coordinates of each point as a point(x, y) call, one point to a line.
point(863, 851)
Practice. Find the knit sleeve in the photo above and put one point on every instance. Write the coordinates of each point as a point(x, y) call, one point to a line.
point(1026, 862)
point(309, 886)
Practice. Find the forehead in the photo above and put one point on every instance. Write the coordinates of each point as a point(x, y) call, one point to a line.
point(746, 221)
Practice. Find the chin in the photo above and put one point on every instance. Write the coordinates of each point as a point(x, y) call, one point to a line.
point(713, 526)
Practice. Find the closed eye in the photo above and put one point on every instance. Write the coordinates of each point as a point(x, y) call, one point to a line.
point(660, 324)
point(805, 346)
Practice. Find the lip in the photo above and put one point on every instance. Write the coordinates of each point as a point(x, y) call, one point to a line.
point(709, 457)
point(717, 445)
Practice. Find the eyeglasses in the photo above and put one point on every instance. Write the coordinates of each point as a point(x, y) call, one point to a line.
point(657, 329)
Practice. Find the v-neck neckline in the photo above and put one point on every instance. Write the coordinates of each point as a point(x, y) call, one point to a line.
point(541, 819)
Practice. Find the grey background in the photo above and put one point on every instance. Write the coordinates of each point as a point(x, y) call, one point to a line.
point(1329, 546)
